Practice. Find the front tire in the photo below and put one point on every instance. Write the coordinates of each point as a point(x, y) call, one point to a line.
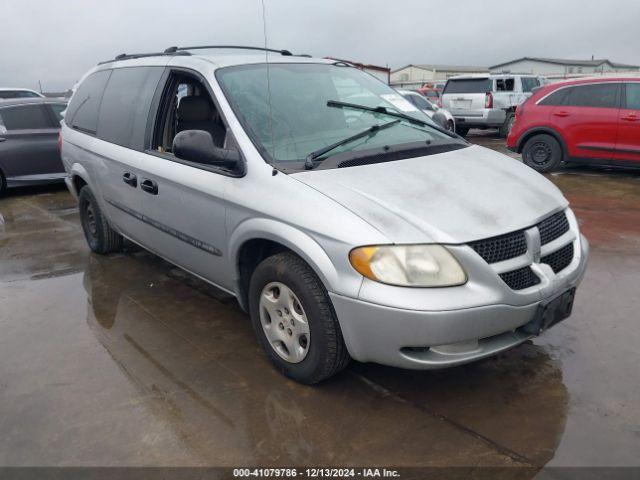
point(101, 238)
point(294, 320)
point(542, 153)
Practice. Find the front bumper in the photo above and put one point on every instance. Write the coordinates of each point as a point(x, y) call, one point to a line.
point(421, 339)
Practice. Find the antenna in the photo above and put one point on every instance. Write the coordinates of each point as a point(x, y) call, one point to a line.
point(266, 59)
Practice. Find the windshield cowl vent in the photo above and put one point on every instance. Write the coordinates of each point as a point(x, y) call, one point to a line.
point(368, 158)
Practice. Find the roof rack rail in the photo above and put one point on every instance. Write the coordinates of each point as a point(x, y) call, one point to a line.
point(130, 56)
point(173, 50)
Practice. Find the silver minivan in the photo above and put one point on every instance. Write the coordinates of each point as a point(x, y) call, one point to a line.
point(343, 220)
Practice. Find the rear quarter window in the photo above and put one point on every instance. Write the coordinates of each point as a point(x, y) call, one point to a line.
point(25, 117)
point(559, 97)
point(82, 113)
point(124, 109)
point(468, 85)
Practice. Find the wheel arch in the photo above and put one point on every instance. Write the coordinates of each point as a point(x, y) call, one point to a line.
point(539, 130)
point(79, 178)
point(256, 239)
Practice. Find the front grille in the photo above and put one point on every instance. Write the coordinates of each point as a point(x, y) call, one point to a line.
point(559, 260)
point(501, 248)
point(553, 227)
point(512, 245)
point(520, 279)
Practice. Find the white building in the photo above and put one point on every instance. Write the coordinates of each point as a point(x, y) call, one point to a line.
point(414, 76)
point(562, 68)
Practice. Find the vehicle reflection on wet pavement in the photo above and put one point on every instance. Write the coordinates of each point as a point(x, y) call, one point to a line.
point(127, 360)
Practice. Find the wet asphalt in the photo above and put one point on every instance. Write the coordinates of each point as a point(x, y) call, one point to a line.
point(126, 360)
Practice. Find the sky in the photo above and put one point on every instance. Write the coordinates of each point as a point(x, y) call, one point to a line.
point(57, 42)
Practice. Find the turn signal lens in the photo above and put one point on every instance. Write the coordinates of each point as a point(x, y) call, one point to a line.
point(408, 265)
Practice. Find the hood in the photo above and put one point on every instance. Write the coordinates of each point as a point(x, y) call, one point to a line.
point(453, 197)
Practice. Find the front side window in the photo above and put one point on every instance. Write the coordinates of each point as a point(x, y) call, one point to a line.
point(284, 108)
point(186, 105)
point(633, 96)
point(598, 95)
point(25, 117)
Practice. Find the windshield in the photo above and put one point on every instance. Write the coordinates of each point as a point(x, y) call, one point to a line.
point(299, 122)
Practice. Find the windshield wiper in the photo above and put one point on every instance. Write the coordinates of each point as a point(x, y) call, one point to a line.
point(379, 109)
point(308, 162)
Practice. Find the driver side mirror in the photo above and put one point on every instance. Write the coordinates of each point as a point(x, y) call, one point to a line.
point(197, 146)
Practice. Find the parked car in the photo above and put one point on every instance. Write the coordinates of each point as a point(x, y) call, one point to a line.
point(439, 115)
point(594, 121)
point(19, 93)
point(380, 238)
point(486, 101)
point(29, 153)
point(431, 94)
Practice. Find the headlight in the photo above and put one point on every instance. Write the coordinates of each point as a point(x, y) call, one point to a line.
point(409, 265)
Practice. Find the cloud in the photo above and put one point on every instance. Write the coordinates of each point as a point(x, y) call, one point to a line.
point(56, 42)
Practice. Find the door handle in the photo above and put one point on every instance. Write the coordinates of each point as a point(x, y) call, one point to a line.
point(149, 186)
point(130, 179)
point(632, 117)
point(561, 114)
point(2, 139)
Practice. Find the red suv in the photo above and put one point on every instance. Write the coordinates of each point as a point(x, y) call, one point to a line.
point(595, 121)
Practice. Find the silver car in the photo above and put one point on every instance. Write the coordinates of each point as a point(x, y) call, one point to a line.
point(346, 230)
point(439, 115)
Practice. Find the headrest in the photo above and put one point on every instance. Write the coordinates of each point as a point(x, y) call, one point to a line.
point(194, 109)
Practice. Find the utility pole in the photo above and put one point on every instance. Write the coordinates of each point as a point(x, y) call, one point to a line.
point(40, 85)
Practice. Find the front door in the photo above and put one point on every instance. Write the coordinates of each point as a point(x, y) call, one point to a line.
point(184, 202)
point(628, 144)
point(588, 120)
point(185, 212)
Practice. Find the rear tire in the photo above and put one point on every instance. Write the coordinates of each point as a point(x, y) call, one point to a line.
point(3, 184)
point(462, 131)
point(505, 128)
point(101, 238)
point(312, 352)
point(542, 152)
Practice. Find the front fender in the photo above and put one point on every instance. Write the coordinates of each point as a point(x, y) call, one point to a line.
point(292, 238)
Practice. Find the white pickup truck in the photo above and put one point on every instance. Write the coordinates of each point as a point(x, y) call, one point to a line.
point(487, 101)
